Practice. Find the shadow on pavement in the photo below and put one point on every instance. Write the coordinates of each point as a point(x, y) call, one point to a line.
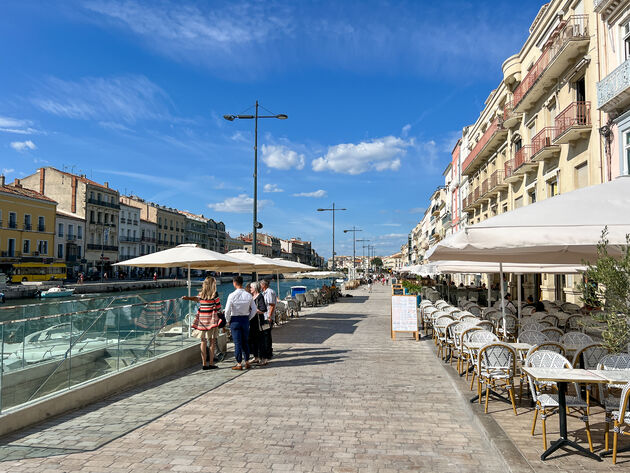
point(317, 328)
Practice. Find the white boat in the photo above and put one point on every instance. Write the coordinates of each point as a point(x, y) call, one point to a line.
point(57, 292)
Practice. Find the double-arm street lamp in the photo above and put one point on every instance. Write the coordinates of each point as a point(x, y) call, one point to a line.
point(354, 231)
point(364, 246)
point(333, 210)
point(231, 118)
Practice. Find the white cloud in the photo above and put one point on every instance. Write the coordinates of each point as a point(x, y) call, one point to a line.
point(109, 100)
point(380, 154)
point(281, 157)
point(317, 194)
point(240, 204)
point(272, 188)
point(417, 210)
point(17, 126)
point(392, 236)
point(23, 146)
point(389, 224)
point(405, 129)
point(7, 170)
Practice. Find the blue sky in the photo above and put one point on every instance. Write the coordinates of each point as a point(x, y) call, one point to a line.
point(133, 92)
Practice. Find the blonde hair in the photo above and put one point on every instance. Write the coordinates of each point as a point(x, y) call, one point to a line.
point(208, 289)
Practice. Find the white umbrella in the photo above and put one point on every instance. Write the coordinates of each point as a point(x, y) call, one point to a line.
point(187, 256)
point(564, 229)
point(290, 267)
point(319, 275)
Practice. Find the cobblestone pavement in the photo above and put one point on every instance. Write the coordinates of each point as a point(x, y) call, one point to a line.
point(340, 396)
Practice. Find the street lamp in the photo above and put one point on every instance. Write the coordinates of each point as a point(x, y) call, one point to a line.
point(333, 210)
point(354, 231)
point(281, 116)
point(363, 252)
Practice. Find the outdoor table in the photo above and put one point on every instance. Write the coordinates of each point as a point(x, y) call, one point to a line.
point(563, 376)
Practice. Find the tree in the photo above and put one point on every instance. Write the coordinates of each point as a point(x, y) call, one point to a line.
point(377, 262)
point(606, 284)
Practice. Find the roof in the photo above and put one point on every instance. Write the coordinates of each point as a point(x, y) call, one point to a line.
point(83, 179)
point(199, 218)
point(65, 214)
point(24, 192)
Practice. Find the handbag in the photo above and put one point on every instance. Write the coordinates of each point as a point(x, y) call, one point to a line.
point(222, 321)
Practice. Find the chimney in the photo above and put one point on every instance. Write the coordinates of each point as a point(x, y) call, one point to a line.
point(42, 180)
point(17, 184)
point(1, 179)
point(107, 184)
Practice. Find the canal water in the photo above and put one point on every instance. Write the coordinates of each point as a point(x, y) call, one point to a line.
point(30, 308)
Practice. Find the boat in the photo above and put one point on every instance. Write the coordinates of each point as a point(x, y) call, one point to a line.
point(57, 292)
point(295, 290)
point(340, 281)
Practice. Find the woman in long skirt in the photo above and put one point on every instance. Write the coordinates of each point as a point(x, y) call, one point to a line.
point(206, 324)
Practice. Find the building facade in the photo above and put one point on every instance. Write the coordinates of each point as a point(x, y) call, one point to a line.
point(70, 241)
point(129, 236)
point(196, 229)
point(217, 236)
point(27, 225)
point(97, 203)
point(148, 237)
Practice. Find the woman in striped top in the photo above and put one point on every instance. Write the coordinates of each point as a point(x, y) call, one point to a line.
point(206, 324)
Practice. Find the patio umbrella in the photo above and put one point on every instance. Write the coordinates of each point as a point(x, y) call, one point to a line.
point(187, 256)
point(290, 267)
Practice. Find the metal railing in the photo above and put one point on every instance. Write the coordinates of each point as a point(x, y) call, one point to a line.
point(613, 84)
point(574, 27)
point(496, 125)
point(576, 114)
point(103, 203)
point(543, 139)
point(56, 352)
point(496, 179)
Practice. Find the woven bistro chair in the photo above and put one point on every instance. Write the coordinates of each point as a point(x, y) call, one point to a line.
point(532, 326)
point(427, 321)
point(466, 355)
point(529, 310)
point(607, 396)
point(496, 362)
point(440, 325)
point(546, 402)
point(479, 336)
point(456, 331)
point(485, 325)
point(575, 323)
point(576, 339)
point(548, 346)
point(554, 334)
point(570, 308)
point(550, 318)
point(621, 418)
point(511, 327)
point(475, 310)
point(533, 337)
point(434, 316)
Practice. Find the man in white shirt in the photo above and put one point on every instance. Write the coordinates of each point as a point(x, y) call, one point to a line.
point(271, 300)
point(239, 309)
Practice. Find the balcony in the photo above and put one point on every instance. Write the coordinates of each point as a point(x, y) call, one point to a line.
point(484, 188)
point(28, 227)
point(41, 228)
point(147, 239)
point(522, 163)
point(13, 225)
point(71, 237)
point(102, 203)
point(510, 117)
point(493, 137)
point(131, 239)
point(613, 91)
point(97, 247)
point(606, 7)
point(123, 220)
point(542, 145)
point(573, 123)
point(569, 40)
point(496, 182)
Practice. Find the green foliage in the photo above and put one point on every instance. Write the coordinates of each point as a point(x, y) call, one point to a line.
point(377, 262)
point(606, 284)
point(412, 288)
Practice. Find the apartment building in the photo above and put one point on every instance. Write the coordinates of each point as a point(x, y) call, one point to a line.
point(217, 236)
point(70, 241)
point(148, 237)
point(96, 203)
point(129, 232)
point(613, 90)
point(196, 229)
point(27, 222)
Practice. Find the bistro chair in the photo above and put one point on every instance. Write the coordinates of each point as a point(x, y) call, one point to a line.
point(547, 403)
point(485, 325)
point(533, 337)
point(621, 418)
point(548, 346)
point(576, 339)
point(529, 310)
point(475, 310)
point(441, 324)
point(554, 334)
point(455, 341)
point(466, 355)
point(607, 398)
point(550, 318)
point(496, 362)
point(511, 324)
point(574, 323)
point(589, 356)
point(532, 326)
point(570, 308)
point(478, 336)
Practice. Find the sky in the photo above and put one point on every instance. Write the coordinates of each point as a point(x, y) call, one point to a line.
point(377, 92)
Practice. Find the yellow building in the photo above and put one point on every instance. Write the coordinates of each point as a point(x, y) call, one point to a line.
point(27, 225)
point(538, 134)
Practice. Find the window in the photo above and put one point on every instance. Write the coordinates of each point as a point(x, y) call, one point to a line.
point(91, 216)
point(60, 251)
point(99, 217)
point(42, 247)
point(532, 130)
point(12, 220)
point(60, 230)
point(581, 176)
point(41, 225)
point(580, 90)
point(98, 196)
point(625, 165)
point(70, 231)
point(11, 247)
point(91, 238)
point(26, 247)
point(78, 252)
point(625, 38)
point(552, 188)
point(79, 232)
point(532, 196)
point(27, 222)
point(91, 195)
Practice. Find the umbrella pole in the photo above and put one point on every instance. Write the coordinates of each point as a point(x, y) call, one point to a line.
point(518, 289)
point(278, 282)
point(489, 291)
point(188, 283)
point(502, 296)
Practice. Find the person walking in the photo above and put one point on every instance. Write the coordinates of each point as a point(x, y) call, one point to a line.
point(256, 342)
point(271, 300)
point(369, 281)
point(206, 323)
point(239, 310)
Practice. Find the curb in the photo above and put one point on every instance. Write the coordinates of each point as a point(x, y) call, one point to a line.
point(512, 457)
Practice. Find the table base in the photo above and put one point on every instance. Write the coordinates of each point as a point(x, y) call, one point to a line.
point(495, 395)
point(564, 443)
point(619, 450)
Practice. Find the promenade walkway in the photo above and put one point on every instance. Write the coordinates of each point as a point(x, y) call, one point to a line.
point(340, 396)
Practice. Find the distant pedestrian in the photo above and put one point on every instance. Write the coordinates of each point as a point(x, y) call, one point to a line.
point(271, 299)
point(206, 323)
point(155, 276)
point(239, 309)
point(369, 284)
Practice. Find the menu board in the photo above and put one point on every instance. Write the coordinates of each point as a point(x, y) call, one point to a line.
point(404, 314)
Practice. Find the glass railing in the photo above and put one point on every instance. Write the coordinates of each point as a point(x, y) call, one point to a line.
point(48, 354)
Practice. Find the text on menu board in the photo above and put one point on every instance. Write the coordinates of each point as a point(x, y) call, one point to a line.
point(404, 314)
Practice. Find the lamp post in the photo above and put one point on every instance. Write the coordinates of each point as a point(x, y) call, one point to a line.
point(364, 246)
point(231, 118)
point(333, 210)
point(354, 231)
